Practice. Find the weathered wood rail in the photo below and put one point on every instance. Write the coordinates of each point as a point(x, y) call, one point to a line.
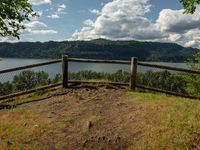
point(133, 70)
point(30, 66)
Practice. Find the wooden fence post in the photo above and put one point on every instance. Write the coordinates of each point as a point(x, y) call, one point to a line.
point(64, 71)
point(133, 73)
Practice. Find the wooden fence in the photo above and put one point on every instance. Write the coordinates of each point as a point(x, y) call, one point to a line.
point(133, 70)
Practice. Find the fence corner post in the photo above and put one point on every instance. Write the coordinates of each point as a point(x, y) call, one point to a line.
point(132, 84)
point(64, 71)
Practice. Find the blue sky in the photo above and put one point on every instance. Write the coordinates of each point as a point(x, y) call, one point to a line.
point(144, 20)
point(78, 10)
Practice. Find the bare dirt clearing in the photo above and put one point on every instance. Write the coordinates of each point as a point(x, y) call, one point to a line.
point(102, 118)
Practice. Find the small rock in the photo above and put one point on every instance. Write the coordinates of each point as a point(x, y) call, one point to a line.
point(9, 142)
point(99, 139)
point(81, 98)
point(84, 144)
point(104, 138)
point(89, 124)
point(25, 124)
point(109, 141)
point(36, 126)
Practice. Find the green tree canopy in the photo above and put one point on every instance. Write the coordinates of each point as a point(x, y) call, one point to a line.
point(12, 15)
point(190, 5)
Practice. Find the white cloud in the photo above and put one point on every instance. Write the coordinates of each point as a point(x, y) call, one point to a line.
point(175, 21)
point(35, 24)
point(121, 19)
point(40, 13)
point(54, 16)
point(43, 32)
point(60, 10)
point(62, 6)
point(39, 2)
point(191, 43)
point(95, 11)
point(174, 37)
point(88, 22)
point(181, 28)
point(38, 28)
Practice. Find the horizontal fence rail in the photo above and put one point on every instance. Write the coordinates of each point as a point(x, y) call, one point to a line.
point(99, 61)
point(29, 91)
point(167, 92)
point(169, 68)
point(30, 66)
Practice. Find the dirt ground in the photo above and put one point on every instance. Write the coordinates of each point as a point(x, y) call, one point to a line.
point(85, 118)
point(93, 119)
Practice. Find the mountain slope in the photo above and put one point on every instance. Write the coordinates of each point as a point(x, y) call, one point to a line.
point(99, 49)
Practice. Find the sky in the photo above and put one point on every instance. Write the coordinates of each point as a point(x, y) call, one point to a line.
point(143, 20)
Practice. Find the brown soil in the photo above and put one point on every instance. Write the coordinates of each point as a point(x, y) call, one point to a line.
point(86, 118)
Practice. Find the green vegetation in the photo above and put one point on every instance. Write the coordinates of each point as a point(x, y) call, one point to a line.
point(176, 82)
point(99, 49)
point(119, 76)
point(27, 80)
point(12, 15)
point(190, 5)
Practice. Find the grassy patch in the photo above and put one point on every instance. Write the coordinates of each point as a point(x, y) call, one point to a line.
point(92, 118)
point(168, 122)
point(17, 128)
point(40, 94)
point(69, 119)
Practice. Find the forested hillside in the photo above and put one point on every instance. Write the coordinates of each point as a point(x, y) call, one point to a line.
point(99, 49)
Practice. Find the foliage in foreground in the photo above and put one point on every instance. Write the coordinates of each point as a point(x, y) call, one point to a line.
point(13, 13)
point(190, 5)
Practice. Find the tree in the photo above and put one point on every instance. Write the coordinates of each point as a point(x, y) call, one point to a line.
point(42, 78)
point(24, 81)
point(193, 86)
point(190, 5)
point(28, 79)
point(13, 13)
point(5, 88)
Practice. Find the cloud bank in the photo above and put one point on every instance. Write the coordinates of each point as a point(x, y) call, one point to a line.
point(126, 19)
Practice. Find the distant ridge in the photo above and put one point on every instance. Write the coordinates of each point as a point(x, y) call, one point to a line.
point(99, 49)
